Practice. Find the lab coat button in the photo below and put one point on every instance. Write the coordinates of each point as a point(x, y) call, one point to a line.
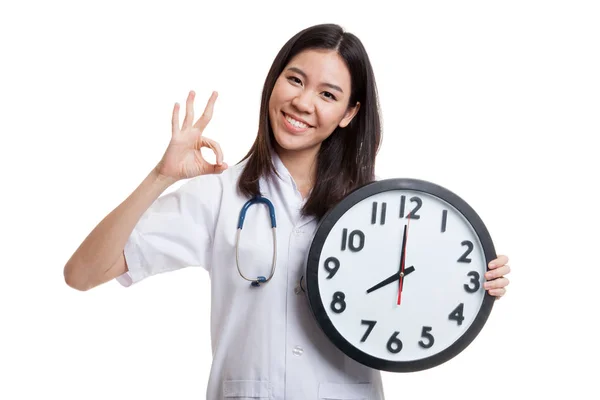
point(298, 351)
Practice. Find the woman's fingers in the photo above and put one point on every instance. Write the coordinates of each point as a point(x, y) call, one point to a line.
point(497, 292)
point(498, 272)
point(189, 114)
point(497, 283)
point(498, 262)
point(220, 166)
point(217, 169)
point(189, 111)
point(215, 147)
point(218, 153)
point(175, 120)
point(208, 112)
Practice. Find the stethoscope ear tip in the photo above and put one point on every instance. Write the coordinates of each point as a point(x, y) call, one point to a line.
point(258, 281)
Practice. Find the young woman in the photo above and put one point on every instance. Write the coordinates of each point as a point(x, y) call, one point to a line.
point(318, 136)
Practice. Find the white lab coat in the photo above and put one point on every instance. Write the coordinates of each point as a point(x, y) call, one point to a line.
point(265, 342)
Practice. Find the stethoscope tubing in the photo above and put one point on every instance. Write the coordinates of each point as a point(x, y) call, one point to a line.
point(258, 199)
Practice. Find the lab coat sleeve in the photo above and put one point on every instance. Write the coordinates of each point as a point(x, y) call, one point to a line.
point(175, 232)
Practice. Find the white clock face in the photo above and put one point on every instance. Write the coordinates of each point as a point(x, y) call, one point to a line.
point(442, 281)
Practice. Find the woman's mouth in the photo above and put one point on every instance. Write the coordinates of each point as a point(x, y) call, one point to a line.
point(294, 125)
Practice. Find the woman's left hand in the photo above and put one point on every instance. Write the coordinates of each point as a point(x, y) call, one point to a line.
point(496, 281)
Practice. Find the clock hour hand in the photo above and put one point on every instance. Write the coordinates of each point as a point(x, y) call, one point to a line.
point(393, 278)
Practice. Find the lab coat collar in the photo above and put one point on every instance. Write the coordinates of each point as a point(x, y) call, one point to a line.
point(287, 179)
point(283, 173)
point(282, 170)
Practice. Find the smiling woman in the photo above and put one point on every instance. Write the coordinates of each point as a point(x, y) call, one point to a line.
point(302, 112)
point(318, 136)
point(320, 113)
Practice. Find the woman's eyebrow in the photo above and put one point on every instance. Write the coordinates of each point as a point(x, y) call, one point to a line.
point(331, 85)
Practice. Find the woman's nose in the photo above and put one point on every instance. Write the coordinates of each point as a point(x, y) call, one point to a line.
point(304, 102)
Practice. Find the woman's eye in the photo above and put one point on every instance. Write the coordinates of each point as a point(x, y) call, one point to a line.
point(297, 81)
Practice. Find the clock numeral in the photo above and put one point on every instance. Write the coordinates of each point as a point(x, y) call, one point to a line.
point(457, 314)
point(338, 298)
point(371, 325)
point(425, 334)
point(374, 213)
point(474, 280)
point(444, 219)
point(394, 345)
point(464, 258)
point(413, 214)
point(350, 242)
point(328, 268)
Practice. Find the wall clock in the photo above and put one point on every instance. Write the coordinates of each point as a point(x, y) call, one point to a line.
point(395, 275)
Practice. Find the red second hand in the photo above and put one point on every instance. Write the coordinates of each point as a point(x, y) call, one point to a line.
point(401, 282)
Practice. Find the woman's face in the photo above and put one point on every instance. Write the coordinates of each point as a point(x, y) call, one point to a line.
point(309, 100)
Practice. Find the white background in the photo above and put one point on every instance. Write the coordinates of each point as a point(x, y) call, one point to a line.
point(497, 101)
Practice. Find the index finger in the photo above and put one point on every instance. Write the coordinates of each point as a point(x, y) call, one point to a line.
point(208, 111)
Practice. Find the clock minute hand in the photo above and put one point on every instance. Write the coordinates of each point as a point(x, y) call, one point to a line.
point(400, 272)
point(391, 279)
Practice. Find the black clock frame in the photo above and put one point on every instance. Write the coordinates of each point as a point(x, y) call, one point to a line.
point(312, 286)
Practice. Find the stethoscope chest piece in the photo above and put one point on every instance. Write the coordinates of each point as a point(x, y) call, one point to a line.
point(258, 281)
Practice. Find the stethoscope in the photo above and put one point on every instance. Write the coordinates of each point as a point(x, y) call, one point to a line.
point(258, 199)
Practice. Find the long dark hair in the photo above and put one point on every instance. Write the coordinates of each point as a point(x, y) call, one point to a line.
point(346, 159)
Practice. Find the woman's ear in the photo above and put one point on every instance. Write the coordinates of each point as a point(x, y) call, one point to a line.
point(350, 113)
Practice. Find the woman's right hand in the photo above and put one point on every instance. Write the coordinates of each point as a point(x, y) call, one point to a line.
point(183, 159)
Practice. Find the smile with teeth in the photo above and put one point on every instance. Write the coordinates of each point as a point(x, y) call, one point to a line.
point(296, 123)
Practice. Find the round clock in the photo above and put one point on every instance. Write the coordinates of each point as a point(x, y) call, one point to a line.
point(395, 275)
